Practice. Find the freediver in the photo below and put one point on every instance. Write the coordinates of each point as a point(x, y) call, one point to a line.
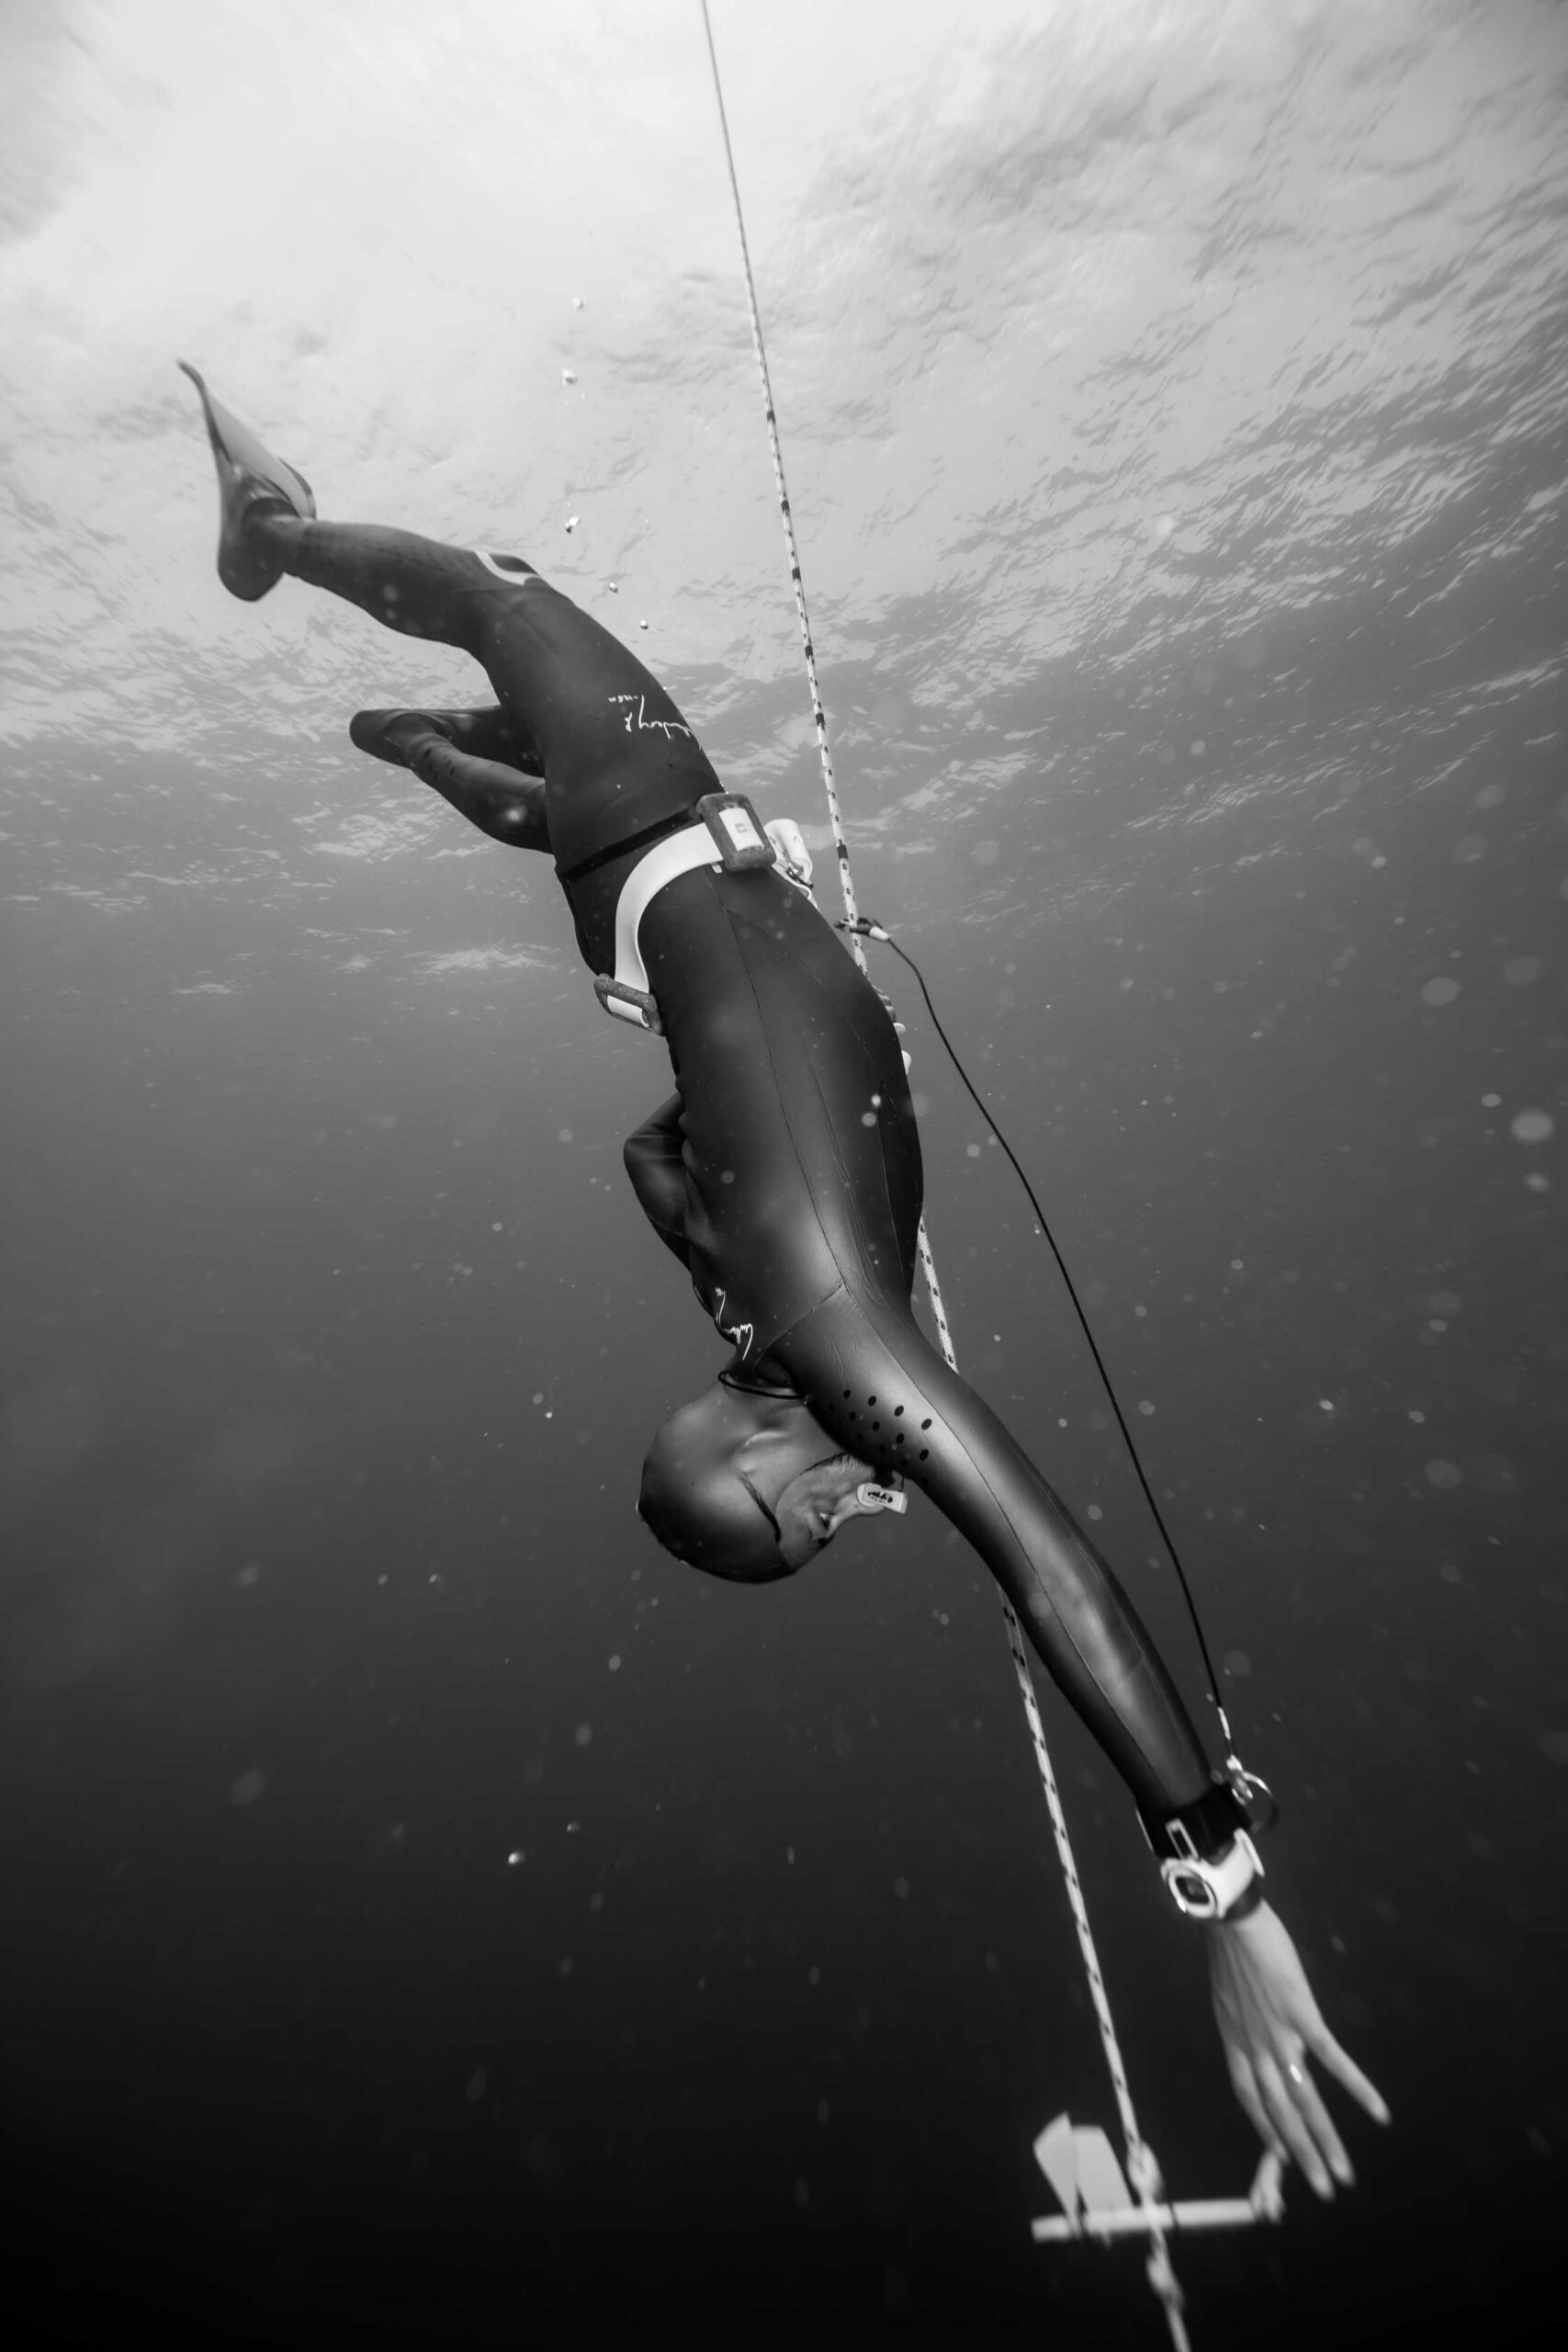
point(785, 1173)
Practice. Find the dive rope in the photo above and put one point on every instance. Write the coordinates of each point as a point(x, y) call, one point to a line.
point(1143, 2171)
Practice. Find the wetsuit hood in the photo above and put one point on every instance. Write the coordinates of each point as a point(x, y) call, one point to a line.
point(697, 1502)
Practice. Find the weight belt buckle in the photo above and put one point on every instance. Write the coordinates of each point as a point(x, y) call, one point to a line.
point(627, 1003)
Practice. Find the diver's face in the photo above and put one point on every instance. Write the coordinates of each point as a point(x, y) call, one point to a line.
point(806, 1491)
point(815, 1504)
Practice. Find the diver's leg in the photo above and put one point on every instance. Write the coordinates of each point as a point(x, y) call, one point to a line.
point(417, 586)
point(494, 795)
point(267, 526)
point(619, 754)
point(486, 734)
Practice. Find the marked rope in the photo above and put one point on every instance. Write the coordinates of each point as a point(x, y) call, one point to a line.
point(1142, 2172)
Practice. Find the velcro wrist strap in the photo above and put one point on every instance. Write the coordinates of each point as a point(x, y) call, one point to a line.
point(1199, 1831)
point(1214, 1890)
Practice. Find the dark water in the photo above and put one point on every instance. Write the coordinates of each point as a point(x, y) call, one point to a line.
point(432, 1915)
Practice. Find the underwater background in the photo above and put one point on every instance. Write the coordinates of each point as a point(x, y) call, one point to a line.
point(432, 1913)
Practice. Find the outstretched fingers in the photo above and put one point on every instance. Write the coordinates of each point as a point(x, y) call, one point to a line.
point(1321, 2133)
point(1301, 2120)
point(1252, 2107)
point(1344, 2071)
point(1270, 2026)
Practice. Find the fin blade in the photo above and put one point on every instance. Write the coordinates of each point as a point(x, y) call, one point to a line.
point(244, 453)
point(1101, 2183)
point(1056, 2153)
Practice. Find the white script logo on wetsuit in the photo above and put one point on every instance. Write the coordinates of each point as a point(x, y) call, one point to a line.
point(639, 721)
point(743, 1334)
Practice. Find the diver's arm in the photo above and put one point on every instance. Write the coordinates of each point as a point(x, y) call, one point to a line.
point(877, 1386)
point(871, 1381)
point(653, 1161)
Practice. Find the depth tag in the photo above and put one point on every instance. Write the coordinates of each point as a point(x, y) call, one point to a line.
point(737, 834)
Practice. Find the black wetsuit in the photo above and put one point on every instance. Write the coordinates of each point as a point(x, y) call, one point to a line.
point(785, 1169)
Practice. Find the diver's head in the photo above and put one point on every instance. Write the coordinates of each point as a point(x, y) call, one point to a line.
point(747, 1486)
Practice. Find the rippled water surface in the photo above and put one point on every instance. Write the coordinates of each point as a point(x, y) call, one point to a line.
point(430, 1909)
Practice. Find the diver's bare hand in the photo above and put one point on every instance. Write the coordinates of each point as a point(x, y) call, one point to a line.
point(1270, 2025)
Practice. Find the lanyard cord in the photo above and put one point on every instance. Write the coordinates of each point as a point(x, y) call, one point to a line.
point(877, 931)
